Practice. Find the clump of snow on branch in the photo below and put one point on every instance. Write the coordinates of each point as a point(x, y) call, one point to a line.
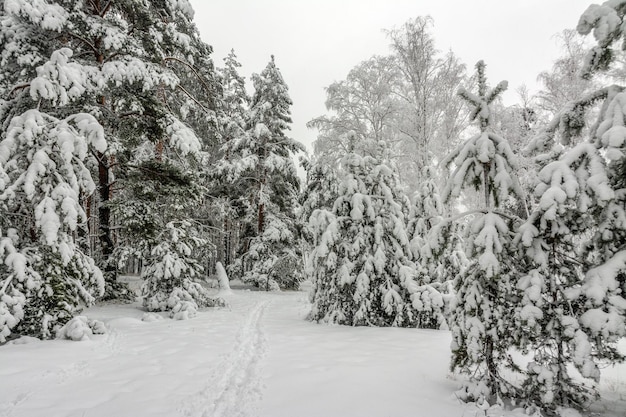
point(40, 12)
point(182, 138)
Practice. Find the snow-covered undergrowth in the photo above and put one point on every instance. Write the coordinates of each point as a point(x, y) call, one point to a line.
point(259, 357)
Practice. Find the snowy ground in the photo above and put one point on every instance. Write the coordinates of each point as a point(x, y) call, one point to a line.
point(256, 358)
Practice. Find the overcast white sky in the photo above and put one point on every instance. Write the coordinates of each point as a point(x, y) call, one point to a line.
point(316, 42)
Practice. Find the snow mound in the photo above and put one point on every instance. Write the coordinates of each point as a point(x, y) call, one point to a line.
point(567, 412)
point(184, 310)
point(151, 317)
point(24, 340)
point(97, 327)
point(80, 328)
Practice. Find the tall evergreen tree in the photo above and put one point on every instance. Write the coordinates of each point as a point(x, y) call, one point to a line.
point(485, 291)
point(233, 115)
point(234, 97)
point(261, 163)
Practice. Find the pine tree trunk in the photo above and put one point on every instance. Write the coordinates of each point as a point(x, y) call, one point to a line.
point(104, 217)
point(113, 289)
point(261, 218)
point(104, 185)
point(159, 150)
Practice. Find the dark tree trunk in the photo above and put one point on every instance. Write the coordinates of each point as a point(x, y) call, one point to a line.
point(261, 218)
point(104, 216)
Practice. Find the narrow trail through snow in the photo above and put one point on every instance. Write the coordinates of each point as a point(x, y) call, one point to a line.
point(235, 387)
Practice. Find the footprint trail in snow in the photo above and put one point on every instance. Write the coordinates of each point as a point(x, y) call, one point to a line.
point(236, 386)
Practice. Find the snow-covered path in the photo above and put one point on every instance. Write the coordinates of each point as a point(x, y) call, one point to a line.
point(257, 358)
point(235, 382)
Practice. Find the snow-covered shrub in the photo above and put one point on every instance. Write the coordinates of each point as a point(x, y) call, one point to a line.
point(429, 302)
point(183, 310)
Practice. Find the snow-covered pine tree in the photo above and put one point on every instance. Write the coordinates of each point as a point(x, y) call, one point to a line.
point(82, 58)
point(163, 147)
point(232, 116)
point(480, 319)
point(574, 306)
point(172, 166)
point(261, 163)
point(361, 267)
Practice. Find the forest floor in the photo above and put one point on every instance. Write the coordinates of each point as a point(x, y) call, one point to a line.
point(257, 357)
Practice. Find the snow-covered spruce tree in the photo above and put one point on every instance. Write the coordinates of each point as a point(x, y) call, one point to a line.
point(609, 136)
point(361, 267)
point(320, 192)
point(574, 306)
point(170, 271)
point(235, 99)
point(551, 309)
point(162, 195)
point(485, 291)
point(439, 262)
point(260, 163)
